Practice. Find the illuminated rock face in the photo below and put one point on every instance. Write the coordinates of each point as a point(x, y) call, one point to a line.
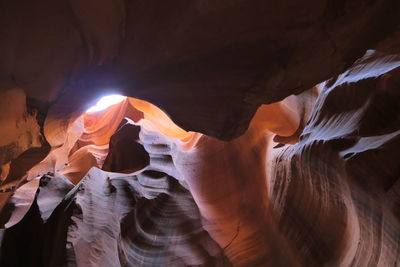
point(310, 180)
point(169, 196)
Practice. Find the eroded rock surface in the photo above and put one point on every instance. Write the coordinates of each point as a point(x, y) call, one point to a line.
point(225, 166)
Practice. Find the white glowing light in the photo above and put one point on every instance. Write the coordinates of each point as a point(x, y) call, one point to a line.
point(105, 102)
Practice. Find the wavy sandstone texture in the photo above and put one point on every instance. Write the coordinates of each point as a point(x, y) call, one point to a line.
point(281, 145)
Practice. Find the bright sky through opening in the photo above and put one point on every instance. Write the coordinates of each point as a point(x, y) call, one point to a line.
point(105, 102)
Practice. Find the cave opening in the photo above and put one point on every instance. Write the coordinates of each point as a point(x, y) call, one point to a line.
point(105, 102)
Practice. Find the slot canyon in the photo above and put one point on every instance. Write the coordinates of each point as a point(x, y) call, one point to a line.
point(242, 133)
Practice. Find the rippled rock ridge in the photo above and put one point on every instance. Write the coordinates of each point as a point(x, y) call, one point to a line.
point(252, 133)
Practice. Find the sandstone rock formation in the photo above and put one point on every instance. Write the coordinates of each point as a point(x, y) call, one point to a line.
point(254, 133)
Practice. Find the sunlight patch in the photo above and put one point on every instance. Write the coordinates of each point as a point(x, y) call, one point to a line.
point(105, 102)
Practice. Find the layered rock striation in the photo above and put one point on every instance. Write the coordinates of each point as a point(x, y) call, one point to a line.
point(253, 133)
